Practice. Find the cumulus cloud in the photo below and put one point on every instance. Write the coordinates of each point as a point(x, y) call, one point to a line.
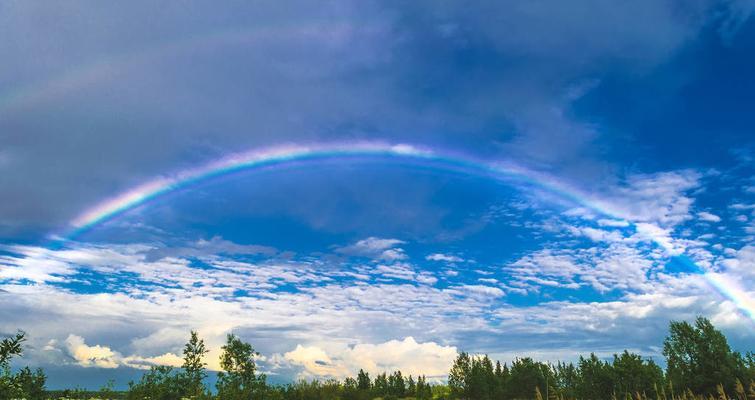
point(91, 356)
point(407, 355)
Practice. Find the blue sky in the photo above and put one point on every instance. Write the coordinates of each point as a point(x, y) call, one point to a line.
point(335, 264)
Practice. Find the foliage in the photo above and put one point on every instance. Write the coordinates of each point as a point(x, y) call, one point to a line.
point(699, 358)
point(700, 363)
point(194, 367)
point(25, 383)
point(239, 380)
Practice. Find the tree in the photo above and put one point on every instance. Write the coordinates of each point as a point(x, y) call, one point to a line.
point(595, 378)
point(566, 379)
point(633, 374)
point(380, 387)
point(457, 377)
point(160, 383)
point(396, 385)
point(526, 375)
point(424, 391)
point(10, 347)
point(239, 380)
point(363, 380)
point(699, 357)
point(411, 387)
point(193, 366)
point(31, 384)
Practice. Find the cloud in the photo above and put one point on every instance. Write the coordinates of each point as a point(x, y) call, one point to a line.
point(478, 290)
point(660, 198)
point(104, 357)
point(373, 247)
point(613, 223)
point(91, 356)
point(407, 355)
point(444, 257)
point(706, 216)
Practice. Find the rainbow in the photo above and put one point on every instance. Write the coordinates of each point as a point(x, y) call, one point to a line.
point(291, 154)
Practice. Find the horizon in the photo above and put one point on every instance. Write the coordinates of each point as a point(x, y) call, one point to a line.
point(378, 185)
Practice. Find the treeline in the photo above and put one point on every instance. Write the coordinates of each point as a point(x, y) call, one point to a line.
point(700, 366)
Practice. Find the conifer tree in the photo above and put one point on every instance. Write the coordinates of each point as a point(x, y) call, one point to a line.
point(194, 366)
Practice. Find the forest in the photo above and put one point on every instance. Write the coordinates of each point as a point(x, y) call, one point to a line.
point(700, 364)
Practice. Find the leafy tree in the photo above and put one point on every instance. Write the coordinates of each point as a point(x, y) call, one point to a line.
point(396, 385)
point(193, 366)
point(31, 384)
point(160, 383)
point(9, 385)
point(595, 381)
point(526, 375)
point(424, 390)
point(699, 357)
point(350, 389)
point(481, 379)
point(239, 380)
point(411, 387)
point(457, 377)
point(10, 347)
point(633, 374)
point(566, 379)
point(363, 380)
point(380, 388)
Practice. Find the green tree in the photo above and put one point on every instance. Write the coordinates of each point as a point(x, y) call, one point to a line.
point(239, 379)
point(160, 383)
point(633, 374)
point(9, 348)
point(31, 383)
point(411, 387)
point(363, 380)
point(699, 357)
point(501, 379)
point(396, 385)
point(595, 381)
point(457, 377)
point(525, 375)
point(193, 366)
point(380, 387)
point(566, 379)
point(424, 390)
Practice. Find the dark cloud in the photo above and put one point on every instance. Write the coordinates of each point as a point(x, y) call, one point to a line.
point(99, 98)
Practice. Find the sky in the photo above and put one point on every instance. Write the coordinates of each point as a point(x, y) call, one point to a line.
point(375, 185)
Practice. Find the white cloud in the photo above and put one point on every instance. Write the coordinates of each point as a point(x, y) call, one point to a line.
point(91, 356)
point(614, 223)
point(659, 198)
point(444, 257)
point(407, 355)
point(706, 216)
point(373, 247)
point(478, 290)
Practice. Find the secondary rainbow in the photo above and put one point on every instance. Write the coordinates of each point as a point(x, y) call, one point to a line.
point(291, 154)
